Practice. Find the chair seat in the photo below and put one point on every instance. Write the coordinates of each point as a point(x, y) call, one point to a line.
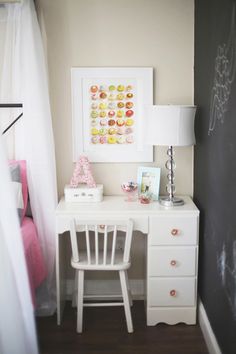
point(119, 264)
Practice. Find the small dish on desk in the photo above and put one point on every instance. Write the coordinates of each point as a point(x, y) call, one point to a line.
point(130, 189)
point(145, 198)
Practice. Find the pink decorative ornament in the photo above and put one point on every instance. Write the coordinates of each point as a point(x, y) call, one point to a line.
point(82, 173)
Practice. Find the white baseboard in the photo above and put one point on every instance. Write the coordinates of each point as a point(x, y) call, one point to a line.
point(209, 336)
point(109, 287)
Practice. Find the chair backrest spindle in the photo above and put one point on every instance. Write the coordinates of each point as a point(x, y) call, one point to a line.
point(113, 250)
point(104, 235)
point(96, 245)
point(105, 246)
point(88, 244)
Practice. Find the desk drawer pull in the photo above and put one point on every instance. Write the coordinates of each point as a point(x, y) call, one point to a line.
point(173, 262)
point(173, 293)
point(174, 232)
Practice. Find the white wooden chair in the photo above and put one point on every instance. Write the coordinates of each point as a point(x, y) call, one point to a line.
point(102, 254)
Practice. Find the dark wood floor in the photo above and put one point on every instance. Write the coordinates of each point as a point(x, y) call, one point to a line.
point(105, 333)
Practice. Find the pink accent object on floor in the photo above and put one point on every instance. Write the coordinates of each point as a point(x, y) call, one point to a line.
point(82, 173)
point(33, 255)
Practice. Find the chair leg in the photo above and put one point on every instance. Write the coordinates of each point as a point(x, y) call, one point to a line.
point(124, 289)
point(75, 290)
point(129, 291)
point(80, 301)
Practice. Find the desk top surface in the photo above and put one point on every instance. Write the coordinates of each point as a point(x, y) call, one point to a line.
point(117, 204)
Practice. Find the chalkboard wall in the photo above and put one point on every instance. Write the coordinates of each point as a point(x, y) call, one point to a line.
point(215, 163)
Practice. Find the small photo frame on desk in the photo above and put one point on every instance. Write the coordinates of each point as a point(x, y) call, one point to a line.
point(149, 181)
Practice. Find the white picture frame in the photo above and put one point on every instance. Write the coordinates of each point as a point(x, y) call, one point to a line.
point(148, 180)
point(127, 146)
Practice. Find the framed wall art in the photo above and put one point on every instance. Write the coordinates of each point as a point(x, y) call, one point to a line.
point(149, 181)
point(108, 111)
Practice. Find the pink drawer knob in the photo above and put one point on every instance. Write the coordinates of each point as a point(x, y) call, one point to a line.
point(173, 293)
point(174, 232)
point(173, 263)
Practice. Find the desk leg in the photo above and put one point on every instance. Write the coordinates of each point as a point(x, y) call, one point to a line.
point(59, 280)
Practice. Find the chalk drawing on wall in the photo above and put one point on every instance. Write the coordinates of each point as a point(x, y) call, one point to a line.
point(228, 276)
point(225, 68)
point(222, 265)
point(225, 257)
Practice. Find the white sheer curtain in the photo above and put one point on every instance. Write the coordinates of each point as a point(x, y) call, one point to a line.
point(24, 80)
point(17, 327)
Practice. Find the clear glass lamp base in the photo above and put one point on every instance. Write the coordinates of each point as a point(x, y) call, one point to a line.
point(168, 202)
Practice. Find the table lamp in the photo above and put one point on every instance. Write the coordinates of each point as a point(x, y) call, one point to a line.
point(171, 125)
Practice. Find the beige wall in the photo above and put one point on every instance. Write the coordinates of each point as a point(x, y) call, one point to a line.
point(155, 33)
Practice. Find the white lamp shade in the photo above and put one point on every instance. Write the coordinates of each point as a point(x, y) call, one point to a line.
point(170, 125)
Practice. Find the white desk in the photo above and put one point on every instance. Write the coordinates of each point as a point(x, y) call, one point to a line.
point(172, 253)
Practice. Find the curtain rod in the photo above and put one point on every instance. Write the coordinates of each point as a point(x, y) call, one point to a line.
point(11, 105)
point(9, 1)
point(14, 121)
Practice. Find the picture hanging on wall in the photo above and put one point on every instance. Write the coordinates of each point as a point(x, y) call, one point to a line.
point(108, 110)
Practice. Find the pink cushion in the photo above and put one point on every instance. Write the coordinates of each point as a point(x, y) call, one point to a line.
point(23, 173)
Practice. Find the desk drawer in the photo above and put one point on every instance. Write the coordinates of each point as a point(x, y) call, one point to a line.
point(174, 230)
point(172, 261)
point(172, 291)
